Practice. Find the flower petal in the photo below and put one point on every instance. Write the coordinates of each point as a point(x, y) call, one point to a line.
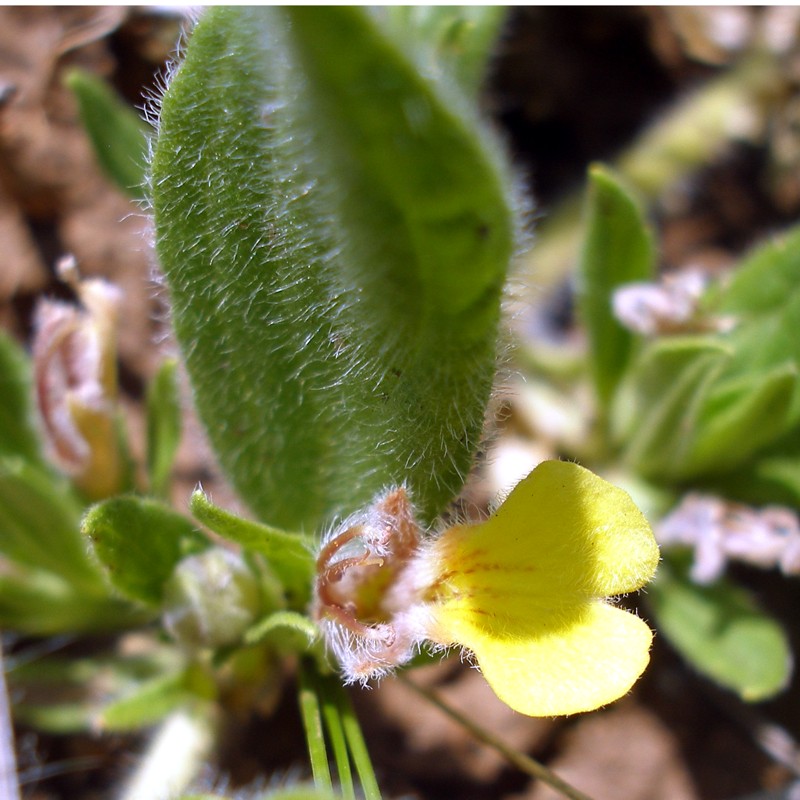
point(563, 534)
point(585, 660)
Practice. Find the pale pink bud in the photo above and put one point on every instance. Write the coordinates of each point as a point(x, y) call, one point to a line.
point(74, 357)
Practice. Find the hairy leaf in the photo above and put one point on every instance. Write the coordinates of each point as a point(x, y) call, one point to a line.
point(139, 542)
point(335, 231)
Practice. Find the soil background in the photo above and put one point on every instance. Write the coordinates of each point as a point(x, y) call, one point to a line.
point(569, 86)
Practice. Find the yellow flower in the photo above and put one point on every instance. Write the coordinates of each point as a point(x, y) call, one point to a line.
point(527, 591)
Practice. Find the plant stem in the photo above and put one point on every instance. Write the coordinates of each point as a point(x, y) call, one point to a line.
point(332, 716)
point(519, 760)
point(312, 723)
point(358, 748)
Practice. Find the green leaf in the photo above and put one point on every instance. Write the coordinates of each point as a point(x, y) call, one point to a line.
point(771, 478)
point(62, 694)
point(153, 700)
point(738, 409)
point(617, 249)
point(55, 718)
point(459, 39)
point(335, 230)
point(139, 542)
point(287, 554)
point(338, 742)
point(720, 630)
point(355, 738)
point(40, 525)
point(761, 284)
point(163, 427)
point(738, 418)
point(656, 409)
point(41, 604)
point(18, 436)
point(116, 131)
point(763, 299)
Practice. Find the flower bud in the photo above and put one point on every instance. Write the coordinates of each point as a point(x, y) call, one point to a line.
point(74, 358)
point(211, 599)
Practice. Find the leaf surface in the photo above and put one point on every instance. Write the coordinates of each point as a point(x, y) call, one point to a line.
point(335, 231)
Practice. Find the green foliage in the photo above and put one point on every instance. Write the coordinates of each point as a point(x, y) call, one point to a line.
point(731, 395)
point(18, 436)
point(334, 226)
point(721, 631)
point(163, 427)
point(617, 249)
point(65, 695)
point(39, 603)
point(152, 700)
point(39, 522)
point(288, 555)
point(717, 409)
point(117, 132)
point(139, 542)
point(328, 718)
point(455, 39)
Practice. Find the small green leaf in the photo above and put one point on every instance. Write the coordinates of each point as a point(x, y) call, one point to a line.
point(139, 542)
point(720, 630)
point(298, 793)
point(18, 436)
point(617, 249)
point(287, 554)
point(657, 406)
point(763, 300)
point(117, 132)
point(739, 417)
point(764, 280)
point(335, 229)
point(41, 604)
point(163, 427)
point(153, 700)
point(60, 694)
point(742, 407)
point(771, 478)
point(40, 524)
point(56, 718)
point(460, 39)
